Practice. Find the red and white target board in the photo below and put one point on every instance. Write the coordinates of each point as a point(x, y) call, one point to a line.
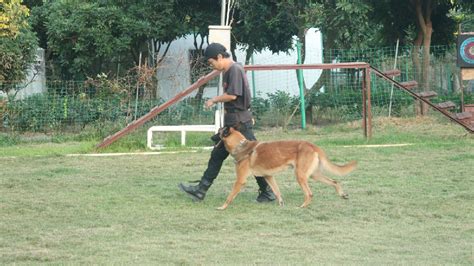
point(465, 55)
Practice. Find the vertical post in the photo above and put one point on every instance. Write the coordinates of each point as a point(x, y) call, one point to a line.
point(300, 83)
point(364, 103)
point(254, 90)
point(391, 90)
point(223, 7)
point(138, 86)
point(221, 34)
point(406, 70)
point(369, 105)
point(220, 106)
point(448, 79)
point(461, 87)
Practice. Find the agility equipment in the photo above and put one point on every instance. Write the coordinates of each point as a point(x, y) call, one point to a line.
point(464, 119)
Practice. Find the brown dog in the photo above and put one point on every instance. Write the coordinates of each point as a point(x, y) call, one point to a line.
point(267, 158)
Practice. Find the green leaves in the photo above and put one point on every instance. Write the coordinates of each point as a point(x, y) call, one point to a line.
point(87, 38)
point(17, 44)
point(17, 53)
point(266, 24)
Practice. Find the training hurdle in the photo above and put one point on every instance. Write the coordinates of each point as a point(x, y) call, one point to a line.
point(183, 129)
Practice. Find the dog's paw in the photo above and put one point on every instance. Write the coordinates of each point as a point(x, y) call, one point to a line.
point(345, 196)
point(281, 203)
point(221, 208)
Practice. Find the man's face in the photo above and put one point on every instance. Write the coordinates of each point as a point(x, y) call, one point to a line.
point(216, 64)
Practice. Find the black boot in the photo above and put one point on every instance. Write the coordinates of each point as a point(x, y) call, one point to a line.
point(265, 193)
point(197, 192)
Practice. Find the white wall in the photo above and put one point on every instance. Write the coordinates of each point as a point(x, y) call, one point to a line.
point(174, 73)
point(35, 81)
point(286, 80)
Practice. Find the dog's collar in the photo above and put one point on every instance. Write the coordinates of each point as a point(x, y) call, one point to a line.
point(241, 144)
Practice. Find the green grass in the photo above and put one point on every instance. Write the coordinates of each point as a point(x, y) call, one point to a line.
point(408, 205)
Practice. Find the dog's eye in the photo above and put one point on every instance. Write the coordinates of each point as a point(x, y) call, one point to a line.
point(226, 132)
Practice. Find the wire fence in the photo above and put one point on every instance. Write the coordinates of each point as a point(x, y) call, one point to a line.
point(331, 96)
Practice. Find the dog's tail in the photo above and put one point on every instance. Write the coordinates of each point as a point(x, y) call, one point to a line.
point(337, 169)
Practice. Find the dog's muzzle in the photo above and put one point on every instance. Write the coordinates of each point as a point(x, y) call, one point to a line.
point(216, 138)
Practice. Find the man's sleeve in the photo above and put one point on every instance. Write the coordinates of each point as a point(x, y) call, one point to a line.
point(235, 82)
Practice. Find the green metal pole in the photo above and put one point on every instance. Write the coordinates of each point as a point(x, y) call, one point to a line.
point(300, 83)
point(254, 90)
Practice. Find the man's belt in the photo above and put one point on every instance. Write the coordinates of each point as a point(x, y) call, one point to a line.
point(233, 111)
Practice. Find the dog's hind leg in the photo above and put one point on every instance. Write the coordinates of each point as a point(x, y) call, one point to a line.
point(326, 180)
point(303, 182)
point(305, 164)
point(276, 190)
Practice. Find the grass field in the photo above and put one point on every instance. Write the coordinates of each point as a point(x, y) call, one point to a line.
point(410, 204)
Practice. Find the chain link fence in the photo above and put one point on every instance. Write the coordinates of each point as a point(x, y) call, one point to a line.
point(331, 96)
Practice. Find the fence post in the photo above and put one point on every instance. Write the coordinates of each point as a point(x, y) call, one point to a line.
point(254, 90)
point(300, 83)
point(369, 104)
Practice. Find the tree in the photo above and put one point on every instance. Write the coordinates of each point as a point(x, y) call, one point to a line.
point(264, 24)
point(17, 45)
point(198, 15)
point(85, 38)
point(13, 17)
point(272, 24)
point(154, 23)
point(343, 24)
point(419, 23)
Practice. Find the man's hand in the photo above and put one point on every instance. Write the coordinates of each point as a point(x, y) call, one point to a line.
point(209, 103)
point(219, 99)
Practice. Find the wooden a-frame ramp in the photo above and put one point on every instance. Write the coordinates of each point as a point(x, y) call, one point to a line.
point(464, 119)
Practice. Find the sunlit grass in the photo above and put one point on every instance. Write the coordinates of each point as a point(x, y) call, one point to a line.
point(409, 204)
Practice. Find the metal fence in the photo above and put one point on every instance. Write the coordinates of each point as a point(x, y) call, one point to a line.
point(335, 96)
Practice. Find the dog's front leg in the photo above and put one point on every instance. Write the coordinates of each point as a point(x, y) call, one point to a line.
point(242, 170)
point(235, 190)
point(272, 183)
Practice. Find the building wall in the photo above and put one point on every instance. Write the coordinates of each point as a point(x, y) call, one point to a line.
point(174, 73)
point(35, 81)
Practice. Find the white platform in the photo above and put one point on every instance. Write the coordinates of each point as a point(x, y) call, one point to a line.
point(183, 129)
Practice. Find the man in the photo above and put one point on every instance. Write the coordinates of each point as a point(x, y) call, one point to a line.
point(236, 99)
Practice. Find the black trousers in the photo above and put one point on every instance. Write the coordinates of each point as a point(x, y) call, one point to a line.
point(219, 154)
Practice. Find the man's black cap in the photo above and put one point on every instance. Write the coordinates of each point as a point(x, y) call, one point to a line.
point(213, 50)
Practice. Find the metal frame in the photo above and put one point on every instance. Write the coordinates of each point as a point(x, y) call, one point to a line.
point(366, 106)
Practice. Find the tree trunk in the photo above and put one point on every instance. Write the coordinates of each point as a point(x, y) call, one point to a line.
point(426, 63)
point(248, 54)
point(324, 79)
point(417, 65)
point(418, 40)
point(423, 15)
